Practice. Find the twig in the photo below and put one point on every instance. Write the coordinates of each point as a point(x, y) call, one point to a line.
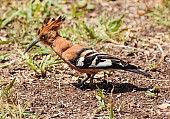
point(160, 48)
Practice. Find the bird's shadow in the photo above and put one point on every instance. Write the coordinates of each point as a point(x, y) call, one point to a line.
point(111, 87)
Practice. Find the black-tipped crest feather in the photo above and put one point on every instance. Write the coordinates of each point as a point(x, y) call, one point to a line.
point(60, 18)
point(52, 24)
point(53, 19)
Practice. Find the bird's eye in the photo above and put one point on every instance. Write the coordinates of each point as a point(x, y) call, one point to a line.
point(44, 36)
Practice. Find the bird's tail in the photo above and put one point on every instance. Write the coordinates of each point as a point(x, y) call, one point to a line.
point(134, 69)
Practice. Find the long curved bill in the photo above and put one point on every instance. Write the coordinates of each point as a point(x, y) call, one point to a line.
point(32, 44)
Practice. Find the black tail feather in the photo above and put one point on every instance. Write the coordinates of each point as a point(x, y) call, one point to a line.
point(134, 69)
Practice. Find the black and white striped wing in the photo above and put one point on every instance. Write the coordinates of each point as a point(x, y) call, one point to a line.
point(100, 61)
point(90, 58)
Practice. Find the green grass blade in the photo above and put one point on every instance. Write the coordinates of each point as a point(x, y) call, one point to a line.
point(3, 56)
point(10, 18)
point(111, 111)
point(100, 92)
point(6, 91)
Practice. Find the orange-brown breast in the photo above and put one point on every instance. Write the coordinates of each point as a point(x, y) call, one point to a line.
point(67, 51)
point(71, 54)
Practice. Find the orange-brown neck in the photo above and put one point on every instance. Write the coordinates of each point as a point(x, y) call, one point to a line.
point(60, 45)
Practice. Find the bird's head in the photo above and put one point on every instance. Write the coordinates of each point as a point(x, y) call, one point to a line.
point(49, 32)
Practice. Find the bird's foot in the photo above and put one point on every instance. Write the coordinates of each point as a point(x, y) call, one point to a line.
point(80, 85)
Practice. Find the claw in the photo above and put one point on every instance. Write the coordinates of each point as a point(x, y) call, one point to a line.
point(80, 85)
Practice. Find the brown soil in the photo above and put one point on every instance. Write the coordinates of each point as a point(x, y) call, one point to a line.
point(57, 96)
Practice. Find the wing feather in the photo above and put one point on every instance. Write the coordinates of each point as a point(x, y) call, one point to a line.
point(94, 59)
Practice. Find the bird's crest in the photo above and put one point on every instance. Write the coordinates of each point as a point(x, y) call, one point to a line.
point(53, 24)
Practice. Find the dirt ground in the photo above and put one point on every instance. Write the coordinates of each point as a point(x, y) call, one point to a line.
point(57, 96)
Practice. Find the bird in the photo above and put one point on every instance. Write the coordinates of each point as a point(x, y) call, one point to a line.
point(81, 58)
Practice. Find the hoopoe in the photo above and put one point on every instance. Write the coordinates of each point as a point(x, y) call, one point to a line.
point(78, 57)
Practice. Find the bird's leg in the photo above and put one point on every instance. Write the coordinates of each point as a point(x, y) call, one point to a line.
point(84, 80)
point(91, 79)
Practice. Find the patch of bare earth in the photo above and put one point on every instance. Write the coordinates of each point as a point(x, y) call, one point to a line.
point(56, 95)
